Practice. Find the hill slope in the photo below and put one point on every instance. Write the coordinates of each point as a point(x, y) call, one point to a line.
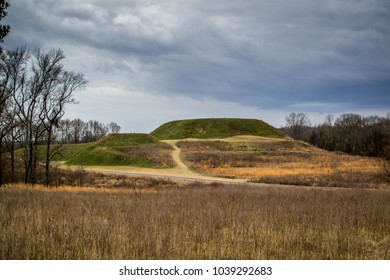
point(215, 128)
point(120, 149)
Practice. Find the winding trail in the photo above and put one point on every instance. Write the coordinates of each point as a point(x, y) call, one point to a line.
point(181, 172)
point(176, 156)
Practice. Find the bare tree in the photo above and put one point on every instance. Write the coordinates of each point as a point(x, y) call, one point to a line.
point(29, 106)
point(57, 92)
point(78, 126)
point(32, 103)
point(12, 81)
point(114, 127)
point(5, 95)
point(296, 124)
point(41, 103)
point(329, 120)
point(94, 130)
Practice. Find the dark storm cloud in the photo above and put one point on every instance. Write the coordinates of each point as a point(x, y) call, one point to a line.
point(270, 54)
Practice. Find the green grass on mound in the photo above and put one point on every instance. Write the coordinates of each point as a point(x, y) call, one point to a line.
point(127, 139)
point(215, 128)
point(140, 150)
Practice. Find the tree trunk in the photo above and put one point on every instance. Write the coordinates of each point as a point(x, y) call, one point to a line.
point(34, 166)
point(47, 166)
point(1, 163)
point(28, 163)
point(13, 178)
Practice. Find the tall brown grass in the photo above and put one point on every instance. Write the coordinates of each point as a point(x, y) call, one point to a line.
point(196, 222)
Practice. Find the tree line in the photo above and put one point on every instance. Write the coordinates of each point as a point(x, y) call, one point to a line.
point(77, 131)
point(350, 133)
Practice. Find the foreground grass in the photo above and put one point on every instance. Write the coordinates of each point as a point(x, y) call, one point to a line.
point(220, 222)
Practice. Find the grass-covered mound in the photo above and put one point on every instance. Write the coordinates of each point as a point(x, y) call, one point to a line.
point(215, 128)
point(133, 149)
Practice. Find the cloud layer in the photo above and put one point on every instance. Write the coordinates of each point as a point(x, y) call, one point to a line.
point(270, 55)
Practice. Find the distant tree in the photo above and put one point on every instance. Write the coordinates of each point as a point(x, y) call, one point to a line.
point(94, 130)
point(114, 127)
point(78, 126)
point(296, 125)
point(329, 120)
point(350, 121)
point(349, 133)
point(4, 29)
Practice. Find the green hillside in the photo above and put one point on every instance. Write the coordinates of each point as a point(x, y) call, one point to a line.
point(215, 128)
point(132, 149)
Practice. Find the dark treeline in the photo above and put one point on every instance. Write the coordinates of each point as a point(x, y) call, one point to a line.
point(350, 133)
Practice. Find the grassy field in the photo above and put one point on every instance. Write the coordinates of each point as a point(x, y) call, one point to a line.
point(142, 218)
point(283, 161)
point(196, 222)
point(215, 128)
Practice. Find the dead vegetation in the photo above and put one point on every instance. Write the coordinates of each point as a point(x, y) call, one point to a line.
point(284, 162)
point(197, 222)
point(78, 177)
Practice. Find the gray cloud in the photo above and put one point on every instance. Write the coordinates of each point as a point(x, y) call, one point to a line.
point(269, 54)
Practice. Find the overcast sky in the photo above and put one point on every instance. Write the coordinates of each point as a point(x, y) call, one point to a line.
point(149, 61)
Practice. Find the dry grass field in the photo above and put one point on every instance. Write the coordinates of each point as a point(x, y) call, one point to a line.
point(283, 161)
point(95, 216)
point(195, 222)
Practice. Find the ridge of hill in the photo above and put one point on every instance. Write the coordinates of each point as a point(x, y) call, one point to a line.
point(126, 139)
point(215, 128)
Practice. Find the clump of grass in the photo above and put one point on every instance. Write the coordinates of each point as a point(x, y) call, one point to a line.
point(198, 222)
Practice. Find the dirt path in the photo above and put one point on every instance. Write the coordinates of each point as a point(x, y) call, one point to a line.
point(176, 156)
point(180, 172)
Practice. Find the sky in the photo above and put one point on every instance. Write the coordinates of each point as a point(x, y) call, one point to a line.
point(149, 62)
